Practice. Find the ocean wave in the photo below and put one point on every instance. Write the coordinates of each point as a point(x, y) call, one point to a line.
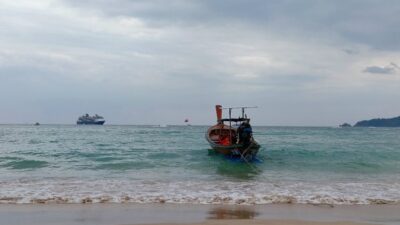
point(230, 193)
point(23, 164)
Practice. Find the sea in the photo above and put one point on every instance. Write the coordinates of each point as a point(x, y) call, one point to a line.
point(174, 164)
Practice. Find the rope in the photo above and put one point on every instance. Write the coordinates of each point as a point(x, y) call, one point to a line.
point(242, 156)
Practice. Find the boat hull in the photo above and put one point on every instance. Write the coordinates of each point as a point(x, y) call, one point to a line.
point(237, 150)
point(91, 123)
point(230, 149)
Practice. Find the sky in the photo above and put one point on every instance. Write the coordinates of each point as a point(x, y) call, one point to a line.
point(303, 63)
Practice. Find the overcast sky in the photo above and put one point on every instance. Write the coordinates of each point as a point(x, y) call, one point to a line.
point(311, 63)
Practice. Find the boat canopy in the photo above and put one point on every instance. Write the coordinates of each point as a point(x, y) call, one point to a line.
point(235, 120)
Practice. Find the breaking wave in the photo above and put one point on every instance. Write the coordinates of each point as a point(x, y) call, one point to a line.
point(230, 193)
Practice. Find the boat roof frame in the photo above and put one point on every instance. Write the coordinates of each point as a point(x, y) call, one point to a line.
point(240, 119)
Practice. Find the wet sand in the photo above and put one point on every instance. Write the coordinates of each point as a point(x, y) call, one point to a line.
point(268, 222)
point(135, 214)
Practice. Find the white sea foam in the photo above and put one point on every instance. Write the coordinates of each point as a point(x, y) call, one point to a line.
point(216, 192)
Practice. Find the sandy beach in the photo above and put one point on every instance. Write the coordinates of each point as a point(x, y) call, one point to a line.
point(137, 214)
point(268, 222)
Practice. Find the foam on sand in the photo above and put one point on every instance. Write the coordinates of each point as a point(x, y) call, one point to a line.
point(60, 190)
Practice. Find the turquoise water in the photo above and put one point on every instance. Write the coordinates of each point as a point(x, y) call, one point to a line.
point(146, 164)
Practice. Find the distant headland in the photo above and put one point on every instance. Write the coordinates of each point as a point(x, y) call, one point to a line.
point(392, 122)
point(345, 125)
point(380, 122)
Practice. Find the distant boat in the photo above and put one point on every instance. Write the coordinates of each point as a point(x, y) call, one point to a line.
point(90, 120)
point(231, 141)
point(37, 124)
point(187, 122)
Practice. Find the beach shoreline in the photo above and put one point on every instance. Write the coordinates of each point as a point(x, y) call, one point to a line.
point(135, 214)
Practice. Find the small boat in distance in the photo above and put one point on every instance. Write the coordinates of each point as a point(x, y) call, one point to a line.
point(233, 141)
point(90, 120)
point(187, 122)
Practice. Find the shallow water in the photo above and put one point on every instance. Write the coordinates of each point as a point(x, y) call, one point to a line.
point(85, 164)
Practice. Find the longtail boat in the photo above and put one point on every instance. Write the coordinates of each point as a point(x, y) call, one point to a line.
point(230, 140)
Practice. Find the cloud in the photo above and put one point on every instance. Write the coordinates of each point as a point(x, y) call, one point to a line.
point(390, 69)
point(367, 22)
point(395, 65)
point(127, 57)
point(350, 51)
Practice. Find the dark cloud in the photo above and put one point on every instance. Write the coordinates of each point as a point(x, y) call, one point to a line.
point(368, 22)
point(350, 51)
point(380, 70)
